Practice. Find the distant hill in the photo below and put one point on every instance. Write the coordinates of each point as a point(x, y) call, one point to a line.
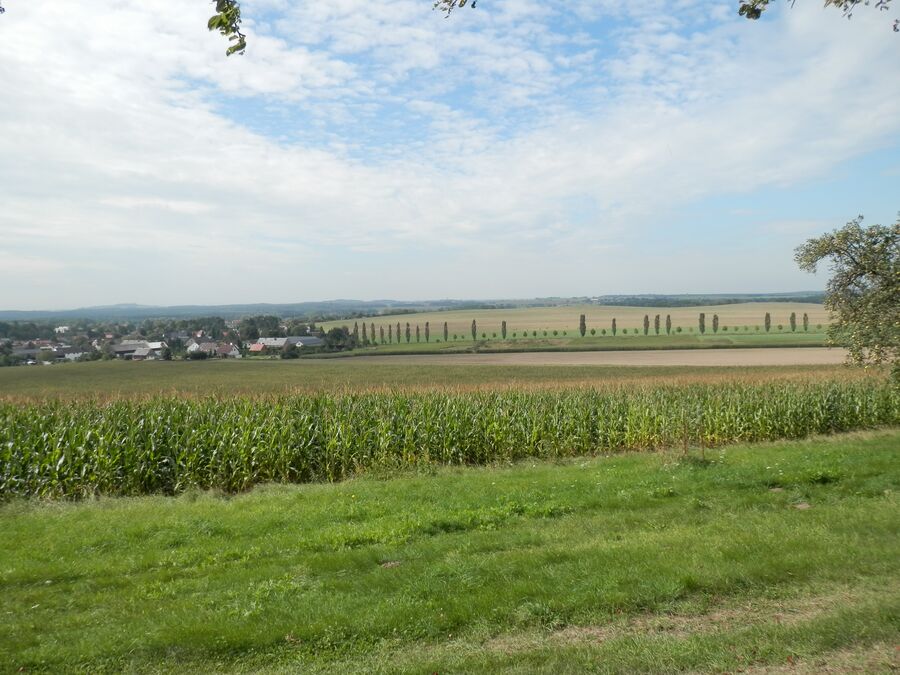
point(348, 308)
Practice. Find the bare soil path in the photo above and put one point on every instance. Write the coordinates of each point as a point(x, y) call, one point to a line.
point(797, 356)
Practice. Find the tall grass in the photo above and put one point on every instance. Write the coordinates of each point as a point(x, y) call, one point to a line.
point(167, 445)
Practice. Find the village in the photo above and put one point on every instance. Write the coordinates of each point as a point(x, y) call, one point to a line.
point(70, 345)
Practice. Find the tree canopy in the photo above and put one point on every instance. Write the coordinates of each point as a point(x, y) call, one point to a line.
point(227, 19)
point(864, 290)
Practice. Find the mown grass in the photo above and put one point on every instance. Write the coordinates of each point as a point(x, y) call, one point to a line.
point(589, 343)
point(753, 557)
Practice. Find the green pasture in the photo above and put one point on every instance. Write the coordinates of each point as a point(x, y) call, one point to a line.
point(750, 558)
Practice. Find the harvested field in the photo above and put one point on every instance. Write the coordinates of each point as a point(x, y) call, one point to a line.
point(662, 357)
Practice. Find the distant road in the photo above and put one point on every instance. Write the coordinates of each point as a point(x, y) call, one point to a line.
point(794, 356)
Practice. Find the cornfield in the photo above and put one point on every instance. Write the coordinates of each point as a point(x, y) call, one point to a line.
point(167, 445)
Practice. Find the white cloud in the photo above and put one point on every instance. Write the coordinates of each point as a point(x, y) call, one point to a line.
point(521, 143)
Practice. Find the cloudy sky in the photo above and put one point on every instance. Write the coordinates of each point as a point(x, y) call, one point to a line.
point(365, 149)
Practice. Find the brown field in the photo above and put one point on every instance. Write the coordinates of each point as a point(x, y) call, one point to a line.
point(794, 356)
point(600, 316)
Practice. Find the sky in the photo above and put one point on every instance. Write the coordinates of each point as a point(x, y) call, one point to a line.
point(369, 150)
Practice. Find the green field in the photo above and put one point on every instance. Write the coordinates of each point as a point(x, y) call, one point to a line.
point(565, 318)
point(252, 377)
point(169, 445)
point(758, 557)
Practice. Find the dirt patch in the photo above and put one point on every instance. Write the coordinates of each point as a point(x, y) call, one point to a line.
point(878, 658)
point(718, 619)
point(797, 356)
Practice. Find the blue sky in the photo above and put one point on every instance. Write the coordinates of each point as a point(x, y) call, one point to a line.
point(364, 150)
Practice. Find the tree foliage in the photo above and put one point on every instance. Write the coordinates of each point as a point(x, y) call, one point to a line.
point(227, 20)
point(755, 8)
point(863, 292)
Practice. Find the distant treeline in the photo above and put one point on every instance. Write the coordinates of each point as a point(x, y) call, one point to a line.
point(333, 310)
point(701, 300)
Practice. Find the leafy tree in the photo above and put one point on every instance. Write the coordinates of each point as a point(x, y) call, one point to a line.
point(805, 322)
point(863, 292)
point(767, 323)
point(646, 324)
point(715, 323)
point(793, 321)
point(290, 351)
point(702, 323)
point(445, 332)
point(668, 324)
point(474, 330)
point(339, 339)
point(593, 331)
point(753, 9)
point(503, 329)
point(582, 325)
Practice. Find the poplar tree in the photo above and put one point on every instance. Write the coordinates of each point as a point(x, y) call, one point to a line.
point(417, 332)
point(408, 333)
point(702, 323)
point(582, 325)
point(646, 324)
point(474, 330)
point(381, 333)
point(614, 327)
point(446, 333)
point(805, 321)
point(365, 340)
point(503, 330)
point(356, 331)
point(715, 323)
point(372, 332)
point(390, 333)
point(427, 331)
point(793, 321)
point(656, 324)
point(398, 332)
point(768, 322)
point(668, 324)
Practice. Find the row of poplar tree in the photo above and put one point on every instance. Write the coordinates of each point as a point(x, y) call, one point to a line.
point(366, 335)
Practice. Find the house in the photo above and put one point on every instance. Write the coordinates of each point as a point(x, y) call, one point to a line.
point(272, 342)
point(257, 348)
point(305, 341)
point(71, 353)
point(227, 350)
point(143, 354)
point(127, 348)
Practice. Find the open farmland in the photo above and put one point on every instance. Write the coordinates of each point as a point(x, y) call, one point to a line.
point(754, 559)
point(565, 318)
point(255, 377)
point(170, 445)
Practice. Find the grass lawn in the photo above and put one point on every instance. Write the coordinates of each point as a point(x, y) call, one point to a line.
point(573, 342)
point(764, 557)
point(113, 379)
